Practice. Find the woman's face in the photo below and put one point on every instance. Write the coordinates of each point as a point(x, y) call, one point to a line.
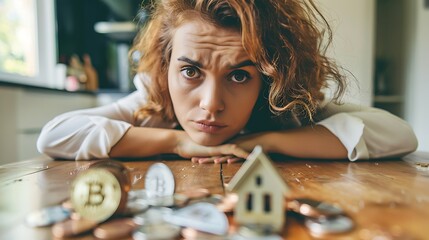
point(212, 82)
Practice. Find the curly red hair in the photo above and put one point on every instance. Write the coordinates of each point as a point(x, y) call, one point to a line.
point(281, 37)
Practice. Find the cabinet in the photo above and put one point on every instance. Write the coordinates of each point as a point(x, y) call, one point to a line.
point(369, 41)
point(23, 113)
point(389, 74)
point(103, 30)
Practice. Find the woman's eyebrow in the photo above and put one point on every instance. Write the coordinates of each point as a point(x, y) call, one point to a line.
point(242, 64)
point(193, 62)
point(198, 64)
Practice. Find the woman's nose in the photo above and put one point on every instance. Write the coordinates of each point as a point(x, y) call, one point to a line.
point(211, 97)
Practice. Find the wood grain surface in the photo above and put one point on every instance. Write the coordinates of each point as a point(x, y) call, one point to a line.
point(387, 199)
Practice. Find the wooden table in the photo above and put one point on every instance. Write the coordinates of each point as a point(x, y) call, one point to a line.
point(385, 198)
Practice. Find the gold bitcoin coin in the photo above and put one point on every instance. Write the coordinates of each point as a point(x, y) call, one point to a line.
point(97, 194)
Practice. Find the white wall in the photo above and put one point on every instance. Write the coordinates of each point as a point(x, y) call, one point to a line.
point(24, 111)
point(8, 118)
point(353, 25)
point(417, 71)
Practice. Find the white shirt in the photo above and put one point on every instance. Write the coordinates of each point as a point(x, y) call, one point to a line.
point(91, 133)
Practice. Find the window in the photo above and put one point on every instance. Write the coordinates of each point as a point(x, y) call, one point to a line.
point(249, 202)
point(267, 203)
point(258, 181)
point(27, 42)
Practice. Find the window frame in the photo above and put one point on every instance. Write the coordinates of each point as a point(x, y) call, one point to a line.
point(46, 49)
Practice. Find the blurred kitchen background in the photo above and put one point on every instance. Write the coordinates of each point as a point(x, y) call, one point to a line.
point(61, 55)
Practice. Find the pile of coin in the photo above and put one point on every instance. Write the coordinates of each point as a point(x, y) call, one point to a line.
point(321, 218)
point(102, 203)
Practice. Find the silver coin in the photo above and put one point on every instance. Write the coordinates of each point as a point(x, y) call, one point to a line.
point(137, 194)
point(267, 237)
point(314, 208)
point(136, 206)
point(329, 209)
point(176, 200)
point(192, 234)
point(255, 230)
point(161, 201)
point(47, 216)
point(322, 226)
point(204, 217)
point(153, 216)
point(213, 199)
point(159, 181)
point(157, 231)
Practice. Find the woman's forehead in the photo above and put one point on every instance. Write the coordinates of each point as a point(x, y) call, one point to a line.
point(201, 27)
point(201, 40)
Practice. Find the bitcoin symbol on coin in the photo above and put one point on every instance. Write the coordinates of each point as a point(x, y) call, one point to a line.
point(159, 185)
point(95, 194)
point(159, 181)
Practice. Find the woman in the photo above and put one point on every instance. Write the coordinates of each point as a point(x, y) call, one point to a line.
point(221, 76)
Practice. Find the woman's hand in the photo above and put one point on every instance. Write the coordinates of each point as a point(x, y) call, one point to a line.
point(187, 148)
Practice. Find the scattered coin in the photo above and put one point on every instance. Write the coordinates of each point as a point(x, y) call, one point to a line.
point(228, 203)
point(255, 230)
point(67, 205)
point(159, 181)
point(197, 193)
point(75, 216)
point(137, 194)
point(72, 227)
point(201, 216)
point(267, 237)
point(47, 216)
point(192, 234)
point(153, 215)
point(161, 201)
point(175, 200)
point(116, 229)
point(97, 194)
point(313, 208)
point(136, 206)
point(180, 200)
point(321, 226)
point(157, 231)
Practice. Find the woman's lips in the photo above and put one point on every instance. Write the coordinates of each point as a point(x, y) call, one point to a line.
point(209, 127)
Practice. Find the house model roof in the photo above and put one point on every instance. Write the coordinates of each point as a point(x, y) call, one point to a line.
point(255, 159)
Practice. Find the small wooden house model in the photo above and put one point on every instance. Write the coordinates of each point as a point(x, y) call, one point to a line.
point(260, 191)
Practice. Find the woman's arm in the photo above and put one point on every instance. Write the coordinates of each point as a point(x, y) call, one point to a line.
point(110, 131)
point(88, 133)
point(141, 141)
point(342, 131)
point(305, 142)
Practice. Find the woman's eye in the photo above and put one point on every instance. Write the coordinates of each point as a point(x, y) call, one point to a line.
point(190, 72)
point(240, 76)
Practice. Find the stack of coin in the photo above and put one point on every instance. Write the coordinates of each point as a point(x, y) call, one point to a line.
point(102, 203)
point(101, 191)
point(321, 218)
point(96, 195)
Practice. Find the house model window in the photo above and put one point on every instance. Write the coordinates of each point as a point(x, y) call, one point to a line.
point(258, 181)
point(267, 203)
point(249, 202)
point(261, 191)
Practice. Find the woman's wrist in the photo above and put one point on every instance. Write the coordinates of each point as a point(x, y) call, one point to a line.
point(268, 141)
point(174, 140)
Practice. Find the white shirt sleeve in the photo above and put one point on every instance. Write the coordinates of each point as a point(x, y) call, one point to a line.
point(88, 133)
point(91, 133)
point(367, 132)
